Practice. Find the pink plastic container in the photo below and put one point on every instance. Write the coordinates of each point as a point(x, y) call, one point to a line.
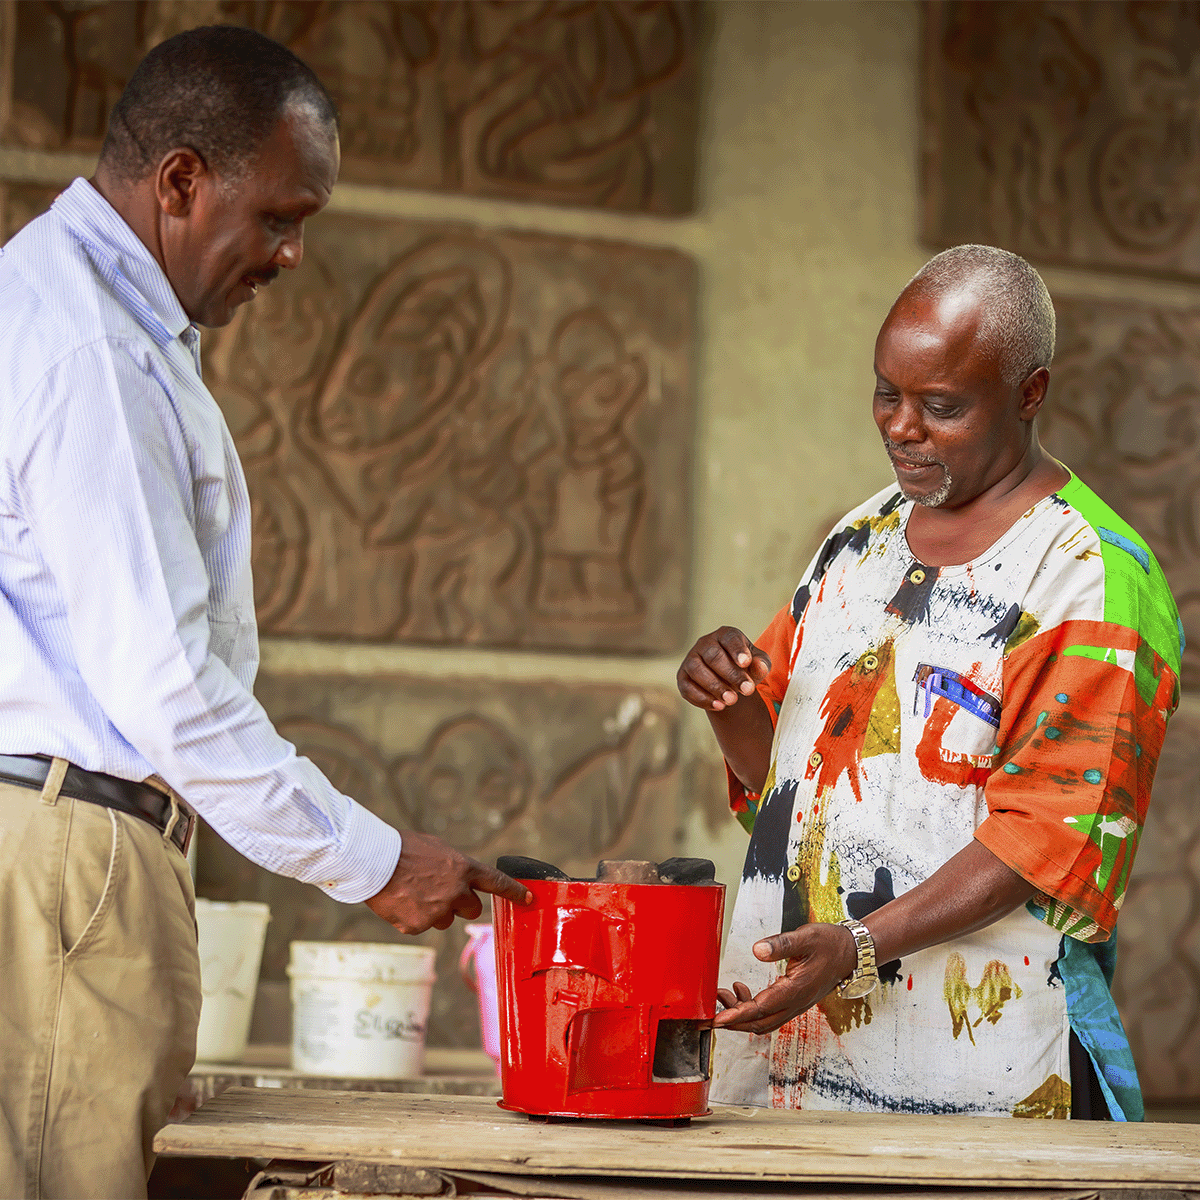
point(481, 950)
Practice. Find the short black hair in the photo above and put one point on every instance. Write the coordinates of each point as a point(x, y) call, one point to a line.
point(218, 89)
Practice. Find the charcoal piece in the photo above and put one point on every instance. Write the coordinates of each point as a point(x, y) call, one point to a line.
point(687, 871)
point(617, 870)
point(519, 867)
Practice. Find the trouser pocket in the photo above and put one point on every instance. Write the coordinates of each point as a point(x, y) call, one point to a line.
point(91, 870)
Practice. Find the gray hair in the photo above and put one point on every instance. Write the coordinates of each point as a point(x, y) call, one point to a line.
point(1018, 318)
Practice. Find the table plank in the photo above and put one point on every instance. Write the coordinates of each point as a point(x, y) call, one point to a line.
point(471, 1133)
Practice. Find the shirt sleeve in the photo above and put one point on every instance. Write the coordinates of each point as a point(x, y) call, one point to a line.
point(102, 474)
point(1085, 713)
point(776, 640)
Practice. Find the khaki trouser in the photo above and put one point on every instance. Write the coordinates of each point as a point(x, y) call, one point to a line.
point(99, 994)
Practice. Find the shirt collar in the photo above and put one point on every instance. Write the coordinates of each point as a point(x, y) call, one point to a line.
point(124, 260)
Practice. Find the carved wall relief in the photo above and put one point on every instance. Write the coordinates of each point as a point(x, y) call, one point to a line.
point(452, 436)
point(1158, 965)
point(559, 102)
point(1124, 413)
point(569, 774)
point(1066, 132)
point(458, 437)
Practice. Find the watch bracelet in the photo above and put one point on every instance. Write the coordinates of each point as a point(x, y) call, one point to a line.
point(864, 945)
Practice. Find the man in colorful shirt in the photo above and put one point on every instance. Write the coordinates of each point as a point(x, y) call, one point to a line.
point(947, 741)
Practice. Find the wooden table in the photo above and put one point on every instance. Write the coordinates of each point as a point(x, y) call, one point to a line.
point(338, 1143)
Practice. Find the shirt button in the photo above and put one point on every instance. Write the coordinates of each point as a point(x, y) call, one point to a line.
point(870, 662)
point(814, 759)
point(793, 872)
point(917, 577)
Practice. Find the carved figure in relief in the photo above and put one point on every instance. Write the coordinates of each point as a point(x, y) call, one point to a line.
point(553, 98)
point(467, 783)
point(1029, 82)
point(260, 368)
point(596, 498)
point(368, 54)
point(549, 100)
point(401, 419)
point(591, 805)
point(1144, 171)
point(380, 417)
point(486, 483)
point(472, 779)
point(351, 763)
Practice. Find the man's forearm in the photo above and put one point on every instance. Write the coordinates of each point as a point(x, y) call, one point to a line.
point(968, 892)
point(744, 732)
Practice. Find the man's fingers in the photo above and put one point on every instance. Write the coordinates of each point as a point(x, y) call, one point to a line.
point(760, 666)
point(696, 696)
point(721, 667)
point(722, 655)
point(779, 945)
point(488, 879)
point(736, 644)
point(710, 682)
point(739, 995)
point(773, 1007)
point(750, 1022)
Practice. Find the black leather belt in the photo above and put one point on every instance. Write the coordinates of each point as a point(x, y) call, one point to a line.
point(137, 799)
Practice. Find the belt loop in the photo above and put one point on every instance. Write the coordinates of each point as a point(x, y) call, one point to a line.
point(173, 819)
point(54, 781)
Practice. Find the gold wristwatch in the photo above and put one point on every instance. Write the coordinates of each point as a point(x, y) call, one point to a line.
point(865, 976)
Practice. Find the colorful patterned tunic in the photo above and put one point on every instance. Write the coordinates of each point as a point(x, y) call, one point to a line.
point(1020, 699)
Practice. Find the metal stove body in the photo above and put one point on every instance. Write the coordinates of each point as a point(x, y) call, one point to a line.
point(607, 996)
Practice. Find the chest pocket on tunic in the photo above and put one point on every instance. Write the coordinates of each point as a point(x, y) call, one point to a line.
point(961, 721)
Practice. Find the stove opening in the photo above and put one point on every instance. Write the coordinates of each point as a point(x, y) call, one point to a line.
point(682, 1051)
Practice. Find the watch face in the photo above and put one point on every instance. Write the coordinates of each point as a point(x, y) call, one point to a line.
point(858, 987)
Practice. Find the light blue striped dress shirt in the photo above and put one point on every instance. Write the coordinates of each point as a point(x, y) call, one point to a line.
point(127, 614)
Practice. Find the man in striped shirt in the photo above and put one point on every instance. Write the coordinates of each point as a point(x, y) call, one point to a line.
point(127, 616)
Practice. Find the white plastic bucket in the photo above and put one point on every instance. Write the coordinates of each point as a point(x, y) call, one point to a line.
point(359, 1008)
point(231, 946)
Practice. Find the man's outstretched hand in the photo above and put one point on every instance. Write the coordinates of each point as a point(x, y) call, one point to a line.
point(819, 958)
point(433, 883)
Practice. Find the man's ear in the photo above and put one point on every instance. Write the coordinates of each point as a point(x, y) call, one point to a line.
point(1033, 393)
point(176, 179)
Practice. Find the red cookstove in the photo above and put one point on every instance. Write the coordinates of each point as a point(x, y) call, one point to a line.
point(608, 989)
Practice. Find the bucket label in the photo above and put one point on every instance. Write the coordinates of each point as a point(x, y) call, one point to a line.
point(378, 1026)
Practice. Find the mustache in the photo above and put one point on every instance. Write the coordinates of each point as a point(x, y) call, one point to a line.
point(911, 456)
point(266, 275)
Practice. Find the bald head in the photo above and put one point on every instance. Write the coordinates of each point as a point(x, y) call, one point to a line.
point(1015, 314)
